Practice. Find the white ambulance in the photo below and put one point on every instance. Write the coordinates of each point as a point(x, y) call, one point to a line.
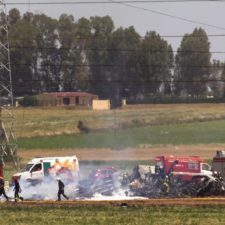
point(38, 168)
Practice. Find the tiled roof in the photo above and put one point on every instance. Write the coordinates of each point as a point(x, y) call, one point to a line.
point(70, 94)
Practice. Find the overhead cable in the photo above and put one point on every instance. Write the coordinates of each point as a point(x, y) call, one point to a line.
point(105, 2)
point(169, 15)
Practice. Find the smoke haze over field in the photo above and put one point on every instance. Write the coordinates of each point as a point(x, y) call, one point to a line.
point(47, 189)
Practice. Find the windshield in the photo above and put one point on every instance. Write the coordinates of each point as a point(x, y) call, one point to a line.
point(37, 167)
point(206, 166)
point(159, 164)
point(27, 168)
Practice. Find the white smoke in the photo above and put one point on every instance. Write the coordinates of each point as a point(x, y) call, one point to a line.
point(47, 189)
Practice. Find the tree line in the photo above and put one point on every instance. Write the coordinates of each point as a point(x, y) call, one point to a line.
point(51, 55)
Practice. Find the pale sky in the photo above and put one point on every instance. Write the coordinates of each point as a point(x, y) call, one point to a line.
point(166, 18)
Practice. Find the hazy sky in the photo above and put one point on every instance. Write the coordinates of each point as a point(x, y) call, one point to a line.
point(166, 18)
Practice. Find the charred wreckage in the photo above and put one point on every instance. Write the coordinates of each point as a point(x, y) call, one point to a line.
point(169, 177)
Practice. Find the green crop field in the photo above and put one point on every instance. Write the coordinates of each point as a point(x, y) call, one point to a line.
point(174, 134)
point(157, 215)
point(133, 126)
point(33, 122)
point(53, 129)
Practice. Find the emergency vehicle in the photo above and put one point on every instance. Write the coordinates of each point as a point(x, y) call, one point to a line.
point(186, 167)
point(38, 168)
point(218, 163)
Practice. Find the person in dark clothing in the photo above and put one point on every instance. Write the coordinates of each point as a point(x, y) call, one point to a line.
point(2, 188)
point(17, 190)
point(136, 174)
point(61, 190)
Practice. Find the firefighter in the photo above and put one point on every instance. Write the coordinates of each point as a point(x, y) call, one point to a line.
point(61, 189)
point(220, 177)
point(17, 190)
point(136, 174)
point(166, 185)
point(2, 188)
point(215, 174)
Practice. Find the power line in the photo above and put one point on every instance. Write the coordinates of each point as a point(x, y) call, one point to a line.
point(141, 37)
point(114, 50)
point(195, 36)
point(169, 15)
point(115, 65)
point(107, 2)
point(169, 36)
point(126, 3)
point(147, 82)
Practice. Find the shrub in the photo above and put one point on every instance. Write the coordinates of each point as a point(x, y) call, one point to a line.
point(29, 100)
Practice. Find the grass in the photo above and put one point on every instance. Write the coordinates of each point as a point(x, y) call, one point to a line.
point(9, 170)
point(33, 122)
point(132, 126)
point(51, 128)
point(58, 215)
point(174, 134)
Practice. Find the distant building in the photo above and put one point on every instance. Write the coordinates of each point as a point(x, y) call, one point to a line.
point(66, 99)
point(101, 105)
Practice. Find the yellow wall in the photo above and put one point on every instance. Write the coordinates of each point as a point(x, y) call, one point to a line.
point(100, 104)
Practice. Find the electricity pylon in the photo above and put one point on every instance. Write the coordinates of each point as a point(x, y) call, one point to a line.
point(8, 142)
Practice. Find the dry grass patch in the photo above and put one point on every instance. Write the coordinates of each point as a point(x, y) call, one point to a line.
point(145, 153)
point(32, 122)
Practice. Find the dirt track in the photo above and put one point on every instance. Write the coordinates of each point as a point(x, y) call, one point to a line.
point(144, 153)
point(136, 202)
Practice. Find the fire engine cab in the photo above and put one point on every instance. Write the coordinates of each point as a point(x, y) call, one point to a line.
point(184, 166)
point(218, 163)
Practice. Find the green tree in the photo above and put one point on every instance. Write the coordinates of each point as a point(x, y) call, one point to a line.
point(123, 50)
point(217, 77)
point(193, 64)
point(97, 55)
point(156, 62)
point(83, 39)
point(47, 72)
point(14, 16)
point(70, 54)
point(23, 56)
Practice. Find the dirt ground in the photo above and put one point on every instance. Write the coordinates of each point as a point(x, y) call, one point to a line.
point(127, 203)
point(145, 153)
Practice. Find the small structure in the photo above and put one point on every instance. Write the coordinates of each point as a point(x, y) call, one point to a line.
point(101, 105)
point(66, 99)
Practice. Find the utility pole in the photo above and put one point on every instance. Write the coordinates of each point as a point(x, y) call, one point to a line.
point(8, 142)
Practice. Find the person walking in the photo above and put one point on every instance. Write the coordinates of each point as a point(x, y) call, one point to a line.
point(61, 189)
point(17, 190)
point(2, 188)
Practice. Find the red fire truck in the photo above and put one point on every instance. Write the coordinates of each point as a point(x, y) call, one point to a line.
point(184, 166)
point(218, 163)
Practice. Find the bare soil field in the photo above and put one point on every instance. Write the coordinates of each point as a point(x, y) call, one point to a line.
point(206, 151)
